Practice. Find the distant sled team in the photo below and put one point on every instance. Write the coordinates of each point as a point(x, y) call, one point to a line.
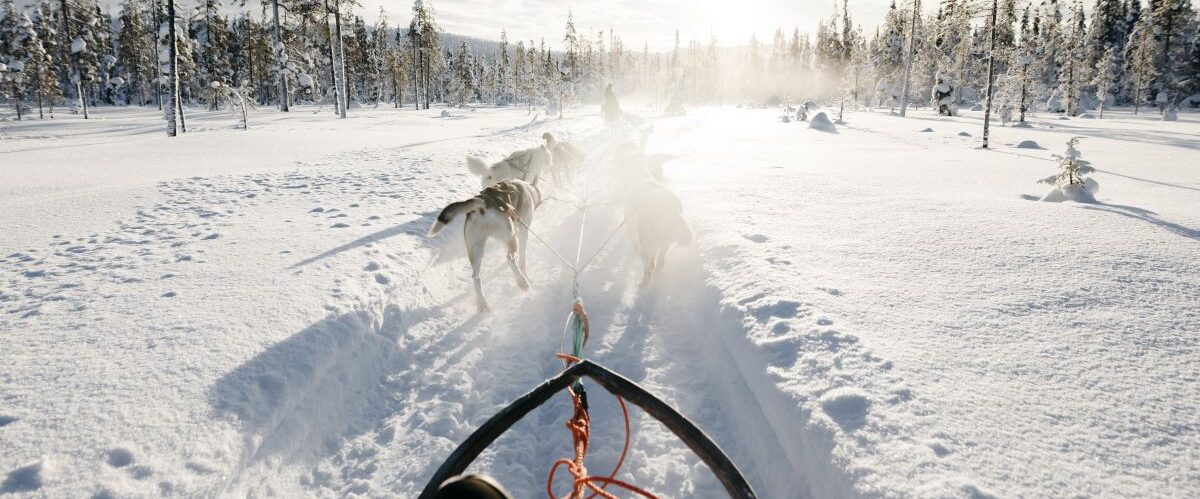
point(504, 209)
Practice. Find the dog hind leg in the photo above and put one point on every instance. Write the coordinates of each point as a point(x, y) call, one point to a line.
point(475, 247)
point(515, 247)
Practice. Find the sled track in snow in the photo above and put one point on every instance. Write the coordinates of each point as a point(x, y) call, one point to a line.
point(373, 400)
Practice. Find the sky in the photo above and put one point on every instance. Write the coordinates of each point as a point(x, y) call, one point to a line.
point(637, 21)
point(634, 21)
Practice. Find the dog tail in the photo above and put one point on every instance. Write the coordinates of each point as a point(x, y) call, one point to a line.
point(476, 166)
point(452, 211)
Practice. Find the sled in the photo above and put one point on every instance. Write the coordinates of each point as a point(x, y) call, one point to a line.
point(722, 467)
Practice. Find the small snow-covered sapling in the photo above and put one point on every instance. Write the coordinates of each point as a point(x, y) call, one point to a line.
point(1072, 168)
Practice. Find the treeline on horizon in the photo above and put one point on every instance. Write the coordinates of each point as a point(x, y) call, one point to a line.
point(1048, 56)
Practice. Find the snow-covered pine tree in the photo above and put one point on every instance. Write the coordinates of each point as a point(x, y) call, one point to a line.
point(1107, 30)
point(379, 58)
point(9, 18)
point(571, 46)
point(211, 50)
point(21, 43)
point(1071, 183)
point(1105, 76)
point(135, 55)
point(1141, 53)
point(38, 72)
point(427, 36)
point(1049, 42)
point(503, 80)
point(44, 23)
point(1172, 21)
point(462, 82)
point(1070, 59)
point(279, 52)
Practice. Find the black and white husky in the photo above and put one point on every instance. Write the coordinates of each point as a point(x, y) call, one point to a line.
point(502, 211)
point(526, 164)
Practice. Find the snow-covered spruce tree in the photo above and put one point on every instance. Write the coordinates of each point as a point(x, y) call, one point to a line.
point(1106, 31)
point(377, 60)
point(1172, 21)
point(135, 55)
point(1192, 72)
point(1070, 183)
point(38, 71)
point(44, 23)
point(1105, 76)
point(462, 84)
point(1070, 60)
point(1140, 71)
point(427, 40)
point(503, 79)
point(1049, 42)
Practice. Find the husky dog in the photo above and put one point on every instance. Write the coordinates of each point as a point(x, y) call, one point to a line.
point(502, 211)
point(655, 217)
point(566, 158)
point(635, 165)
point(525, 164)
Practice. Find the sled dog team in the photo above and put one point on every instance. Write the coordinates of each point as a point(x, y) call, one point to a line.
point(504, 209)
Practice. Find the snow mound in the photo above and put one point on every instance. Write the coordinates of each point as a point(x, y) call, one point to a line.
point(1029, 144)
point(25, 478)
point(847, 406)
point(445, 114)
point(964, 134)
point(1021, 124)
point(1078, 194)
point(1088, 116)
point(820, 121)
point(927, 130)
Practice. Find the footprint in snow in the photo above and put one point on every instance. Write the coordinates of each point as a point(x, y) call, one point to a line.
point(371, 267)
point(382, 279)
point(119, 457)
point(24, 478)
point(168, 294)
point(847, 406)
point(758, 238)
point(339, 225)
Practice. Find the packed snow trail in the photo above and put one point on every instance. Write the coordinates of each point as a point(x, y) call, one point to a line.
point(843, 326)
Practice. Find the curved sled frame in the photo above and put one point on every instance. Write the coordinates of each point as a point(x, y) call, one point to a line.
point(708, 451)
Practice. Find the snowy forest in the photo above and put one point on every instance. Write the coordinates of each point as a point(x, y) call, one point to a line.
point(1047, 56)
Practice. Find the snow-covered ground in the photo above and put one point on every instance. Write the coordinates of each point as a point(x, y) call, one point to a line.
point(876, 311)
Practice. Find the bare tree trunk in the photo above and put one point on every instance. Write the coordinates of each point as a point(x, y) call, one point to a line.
point(987, 109)
point(912, 45)
point(66, 15)
point(173, 75)
point(339, 60)
point(280, 67)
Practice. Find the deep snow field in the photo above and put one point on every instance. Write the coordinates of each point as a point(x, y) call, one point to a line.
point(880, 311)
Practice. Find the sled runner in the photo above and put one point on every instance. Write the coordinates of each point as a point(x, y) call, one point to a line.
point(708, 451)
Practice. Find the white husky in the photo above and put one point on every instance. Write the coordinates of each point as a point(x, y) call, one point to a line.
point(526, 164)
point(502, 211)
point(655, 217)
point(566, 157)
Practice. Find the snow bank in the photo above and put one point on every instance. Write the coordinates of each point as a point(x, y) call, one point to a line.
point(1028, 144)
point(1077, 193)
point(820, 121)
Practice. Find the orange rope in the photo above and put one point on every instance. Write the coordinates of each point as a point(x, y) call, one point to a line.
point(580, 425)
